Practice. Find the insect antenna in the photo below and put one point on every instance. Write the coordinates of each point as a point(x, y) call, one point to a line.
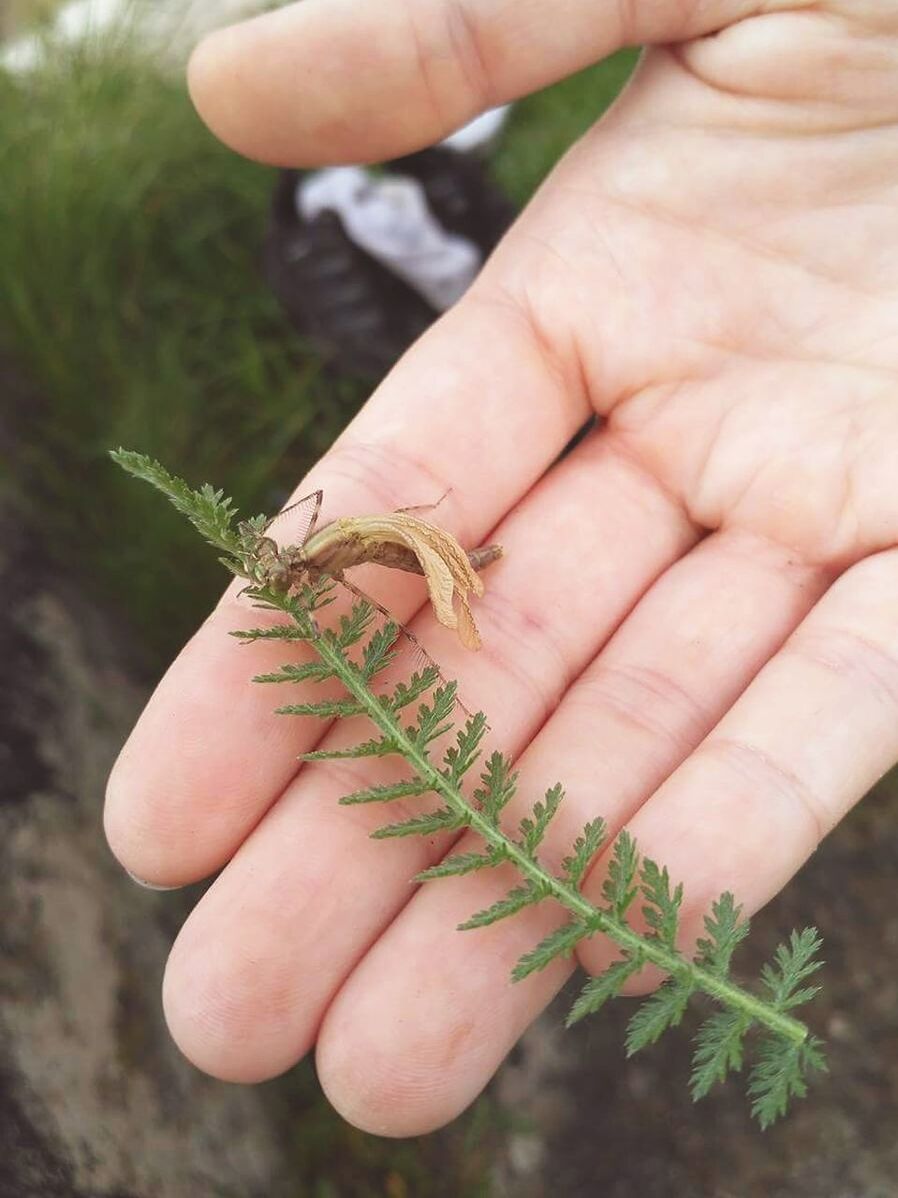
point(418, 649)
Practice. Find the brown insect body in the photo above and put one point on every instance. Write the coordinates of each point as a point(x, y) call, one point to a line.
point(399, 541)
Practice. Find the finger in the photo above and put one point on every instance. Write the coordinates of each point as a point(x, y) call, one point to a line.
point(362, 80)
point(447, 1011)
point(262, 954)
point(815, 730)
point(208, 756)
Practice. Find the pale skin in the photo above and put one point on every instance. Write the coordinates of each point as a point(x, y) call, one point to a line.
point(695, 625)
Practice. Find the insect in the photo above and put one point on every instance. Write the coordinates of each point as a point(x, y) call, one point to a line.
point(398, 540)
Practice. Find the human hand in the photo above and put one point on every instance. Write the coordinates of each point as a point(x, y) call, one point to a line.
point(696, 624)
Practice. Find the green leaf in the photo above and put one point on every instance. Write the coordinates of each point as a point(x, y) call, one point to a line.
point(277, 632)
point(441, 820)
point(719, 1050)
point(308, 671)
point(460, 864)
point(662, 909)
point(385, 794)
point(326, 709)
point(619, 888)
point(498, 784)
point(461, 756)
point(604, 986)
point(405, 693)
point(781, 1074)
point(318, 594)
point(351, 627)
point(560, 943)
point(516, 900)
point(533, 827)
point(785, 1059)
point(725, 933)
point(661, 1010)
point(435, 718)
point(377, 654)
point(584, 850)
point(792, 963)
point(208, 510)
point(381, 746)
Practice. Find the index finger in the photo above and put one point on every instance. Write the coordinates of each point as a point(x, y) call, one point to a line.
point(362, 80)
point(475, 407)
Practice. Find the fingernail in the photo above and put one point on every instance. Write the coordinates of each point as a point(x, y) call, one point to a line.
point(149, 885)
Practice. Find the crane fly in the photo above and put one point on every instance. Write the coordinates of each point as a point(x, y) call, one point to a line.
point(398, 540)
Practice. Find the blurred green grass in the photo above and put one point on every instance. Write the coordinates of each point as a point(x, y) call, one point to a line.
point(130, 297)
point(132, 301)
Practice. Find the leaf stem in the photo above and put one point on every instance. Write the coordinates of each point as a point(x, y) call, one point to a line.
point(646, 949)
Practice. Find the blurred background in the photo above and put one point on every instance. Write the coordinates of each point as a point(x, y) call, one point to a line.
point(159, 292)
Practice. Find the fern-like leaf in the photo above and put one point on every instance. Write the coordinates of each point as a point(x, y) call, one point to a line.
point(325, 709)
point(354, 653)
point(461, 756)
point(498, 783)
point(378, 651)
point(560, 943)
point(407, 692)
point(660, 1011)
point(460, 864)
point(379, 746)
point(441, 820)
point(619, 888)
point(662, 907)
point(209, 511)
point(600, 989)
point(513, 902)
point(781, 1074)
point(719, 1050)
point(387, 793)
point(725, 931)
point(574, 867)
point(277, 632)
point(534, 826)
point(435, 718)
point(792, 963)
point(352, 626)
point(307, 671)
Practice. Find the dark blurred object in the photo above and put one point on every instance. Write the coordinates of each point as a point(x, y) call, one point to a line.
point(355, 311)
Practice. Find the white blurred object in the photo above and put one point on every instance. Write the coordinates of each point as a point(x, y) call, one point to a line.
point(166, 29)
point(481, 133)
point(387, 216)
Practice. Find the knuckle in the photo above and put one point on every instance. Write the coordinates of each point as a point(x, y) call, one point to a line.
point(763, 776)
point(648, 700)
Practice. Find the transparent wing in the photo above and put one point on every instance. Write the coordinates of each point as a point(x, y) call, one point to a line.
point(303, 520)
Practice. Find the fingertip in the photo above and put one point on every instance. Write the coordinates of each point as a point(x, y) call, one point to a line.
point(217, 88)
point(225, 1009)
point(150, 844)
point(127, 843)
point(374, 1092)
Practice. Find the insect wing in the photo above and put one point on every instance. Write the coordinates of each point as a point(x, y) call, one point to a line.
point(304, 517)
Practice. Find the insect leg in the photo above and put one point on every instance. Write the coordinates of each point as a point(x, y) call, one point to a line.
point(426, 507)
point(403, 631)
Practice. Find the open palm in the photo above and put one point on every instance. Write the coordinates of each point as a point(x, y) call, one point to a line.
point(696, 622)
